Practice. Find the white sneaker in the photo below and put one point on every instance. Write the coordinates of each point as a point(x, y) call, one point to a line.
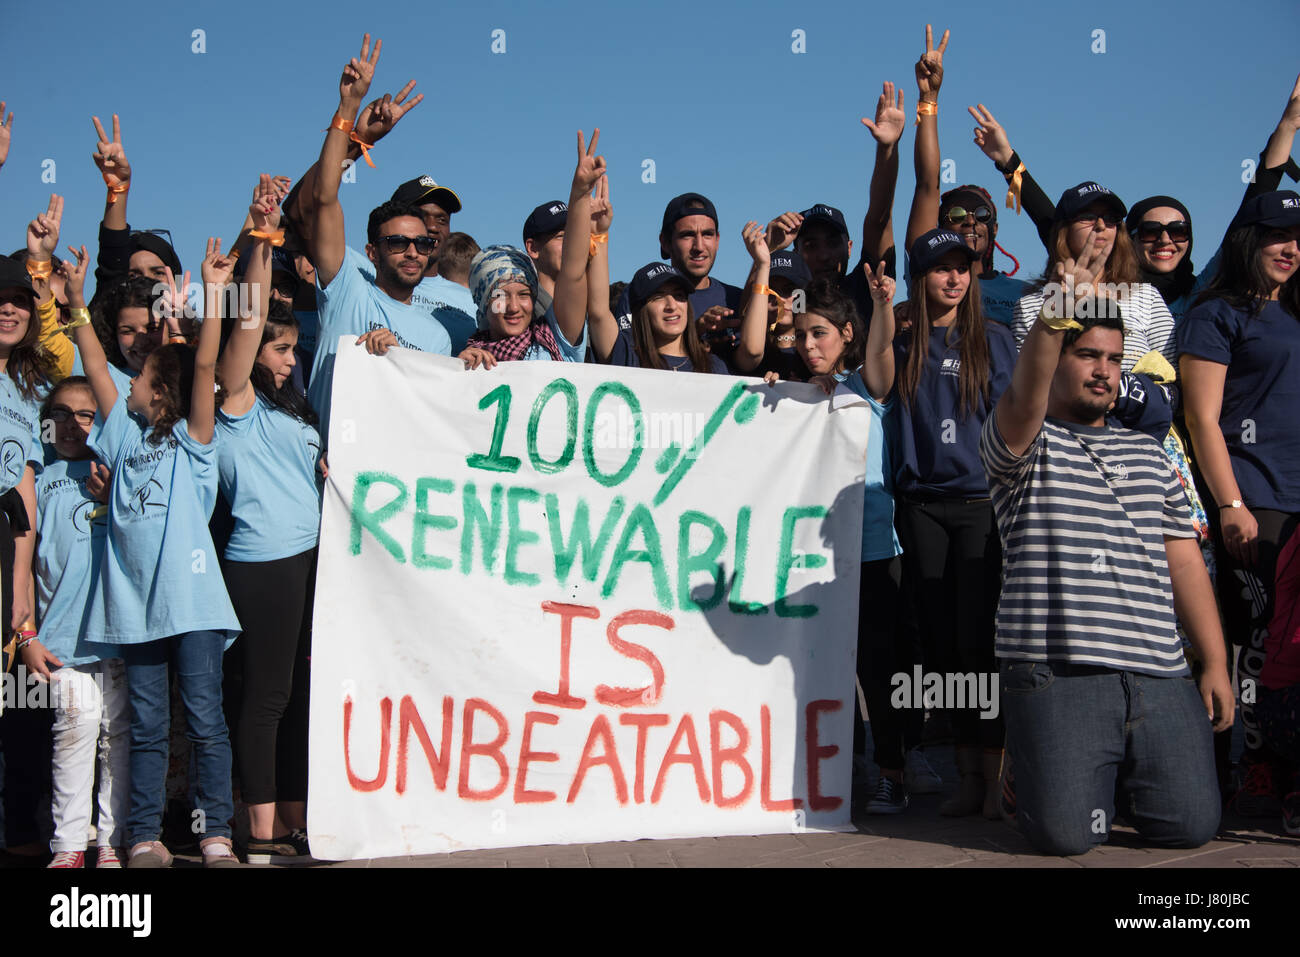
point(918, 776)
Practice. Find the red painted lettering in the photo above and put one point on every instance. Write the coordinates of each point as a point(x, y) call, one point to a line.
point(492, 750)
point(408, 719)
point(642, 722)
point(562, 698)
point(765, 776)
point(526, 755)
point(685, 729)
point(608, 756)
point(733, 755)
point(385, 719)
point(817, 753)
point(630, 697)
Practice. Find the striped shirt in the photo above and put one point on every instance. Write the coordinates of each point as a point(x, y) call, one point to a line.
point(1148, 324)
point(1083, 516)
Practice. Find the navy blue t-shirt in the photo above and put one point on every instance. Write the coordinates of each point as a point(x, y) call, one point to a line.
point(624, 354)
point(939, 447)
point(1261, 395)
point(717, 293)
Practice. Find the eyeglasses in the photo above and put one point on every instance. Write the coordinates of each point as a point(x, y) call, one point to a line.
point(397, 244)
point(1110, 219)
point(958, 214)
point(61, 414)
point(1179, 231)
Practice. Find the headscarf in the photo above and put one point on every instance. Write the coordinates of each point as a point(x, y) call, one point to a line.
point(1172, 286)
point(488, 271)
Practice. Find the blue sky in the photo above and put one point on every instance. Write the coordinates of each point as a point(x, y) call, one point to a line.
point(712, 93)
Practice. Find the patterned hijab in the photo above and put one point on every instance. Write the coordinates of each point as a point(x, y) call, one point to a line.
point(492, 268)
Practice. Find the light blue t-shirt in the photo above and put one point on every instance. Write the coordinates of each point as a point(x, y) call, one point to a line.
point(160, 576)
point(267, 459)
point(879, 540)
point(569, 352)
point(20, 432)
point(72, 529)
point(448, 302)
point(354, 305)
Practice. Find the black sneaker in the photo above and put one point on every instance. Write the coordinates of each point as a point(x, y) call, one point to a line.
point(890, 797)
point(291, 848)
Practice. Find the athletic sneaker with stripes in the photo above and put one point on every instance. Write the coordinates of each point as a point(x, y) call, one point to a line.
point(68, 859)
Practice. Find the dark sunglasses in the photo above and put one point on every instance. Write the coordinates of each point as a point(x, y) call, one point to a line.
point(958, 214)
point(397, 244)
point(1179, 231)
point(1110, 219)
point(61, 414)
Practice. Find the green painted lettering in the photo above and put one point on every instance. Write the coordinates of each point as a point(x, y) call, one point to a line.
point(706, 561)
point(580, 537)
point(787, 560)
point(489, 528)
point(494, 461)
point(734, 601)
point(639, 520)
point(517, 537)
point(424, 521)
point(372, 521)
point(557, 387)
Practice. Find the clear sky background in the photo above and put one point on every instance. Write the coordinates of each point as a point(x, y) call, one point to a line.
point(711, 92)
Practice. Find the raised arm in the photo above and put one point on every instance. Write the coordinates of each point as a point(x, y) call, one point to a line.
point(753, 328)
point(95, 365)
point(878, 360)
point(570, 300)
point(201, 422)
point(600, 319)
point(236, 363)
point(327, 242)
point(1022, 408)
point(1023, 190)
point(113, 256)
point(925, 200)
point(6, 130)
point(887, 129)
point(374, 123)
point(1277, 153)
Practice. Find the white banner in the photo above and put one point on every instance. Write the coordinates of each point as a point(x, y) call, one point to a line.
point(563, 603)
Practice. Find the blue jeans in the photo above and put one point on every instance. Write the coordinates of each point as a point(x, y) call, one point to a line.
point(1080, 737)
point(196, 657)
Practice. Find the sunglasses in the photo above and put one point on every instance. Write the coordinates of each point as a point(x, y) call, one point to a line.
point(60, 414)
point(424, 245)
point(1110, 219)
point(958, 214)
point(1179, 231)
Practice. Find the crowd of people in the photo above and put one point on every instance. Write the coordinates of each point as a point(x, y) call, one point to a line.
point(1086, 482)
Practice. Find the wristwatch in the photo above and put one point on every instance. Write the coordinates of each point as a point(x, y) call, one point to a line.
point(1235, 503)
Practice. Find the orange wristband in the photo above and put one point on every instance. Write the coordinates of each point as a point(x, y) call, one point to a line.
point(596, 240)
point(40, 270)
point(340, 124)
point(365, 147)
point(275, 239)
point(1013, 190)
point(115, 187)
point(926, 108)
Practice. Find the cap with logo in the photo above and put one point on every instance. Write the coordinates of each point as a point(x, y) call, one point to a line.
point(1078, 198)
point(821, 213)
point(648, 280)
point(931, 247)
point(546, 218)
point(786, 264)
point(687, 204)
point(422, 190)
point(1278, 209)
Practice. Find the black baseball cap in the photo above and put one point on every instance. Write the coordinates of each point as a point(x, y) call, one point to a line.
point(648, 280)
point(422, 190)
point(930, 247)
point(786, 264)
point(1085, 194)
point(1281, 208)
point(687, 204)
point(546, 218)
point(13, 275)
point(826, 214)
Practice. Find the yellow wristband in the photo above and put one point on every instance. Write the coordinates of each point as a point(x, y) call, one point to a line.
point(1057, 323)
point(80, 317)
point(40, 270)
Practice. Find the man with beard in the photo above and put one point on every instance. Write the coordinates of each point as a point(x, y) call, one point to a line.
point(379, 311)
point(1099, 556)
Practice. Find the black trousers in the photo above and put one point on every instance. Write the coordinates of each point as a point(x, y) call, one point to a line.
point(888, 644)
point(274, 603)
point(953, 555)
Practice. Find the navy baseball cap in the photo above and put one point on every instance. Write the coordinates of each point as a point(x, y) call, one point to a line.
point(930, 247)
point(422, 190)
point(1281, 208)
point(546, 218)
point(687, 204)
point(786, 264)
point(648, 280)
point(826, 214)
point(13, 274)
point(1079, 197)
